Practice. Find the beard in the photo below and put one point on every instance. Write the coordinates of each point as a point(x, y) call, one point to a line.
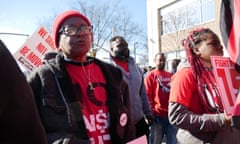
point(122, 55)
point(161, 66)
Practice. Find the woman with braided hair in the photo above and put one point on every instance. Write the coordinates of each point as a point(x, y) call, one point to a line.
point(194, 105)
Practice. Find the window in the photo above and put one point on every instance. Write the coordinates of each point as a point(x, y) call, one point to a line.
point(208, 10)
point(167, 22)
point(181, 18)
point(194, 14)
point(186, 13)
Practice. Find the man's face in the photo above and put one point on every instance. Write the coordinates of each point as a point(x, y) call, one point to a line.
point(160, 61)
point(119, 49)
point(76, 37)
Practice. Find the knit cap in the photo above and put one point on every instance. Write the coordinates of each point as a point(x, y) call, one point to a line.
point(60, 20)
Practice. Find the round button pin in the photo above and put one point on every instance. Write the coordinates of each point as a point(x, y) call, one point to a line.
point(123, 119)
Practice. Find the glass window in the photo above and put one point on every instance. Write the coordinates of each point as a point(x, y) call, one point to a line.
point(181, 18)
point(194, 14)
point(168, 23)
point(164, 24)
point(186, 13)
point(208, 10)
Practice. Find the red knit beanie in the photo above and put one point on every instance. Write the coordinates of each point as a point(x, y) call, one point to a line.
point(60, 20)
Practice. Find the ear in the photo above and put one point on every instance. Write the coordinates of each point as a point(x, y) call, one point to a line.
point(111, 46)
point(196, 51)
point(92, 37)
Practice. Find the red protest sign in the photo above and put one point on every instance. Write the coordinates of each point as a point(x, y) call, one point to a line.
point(228, 81)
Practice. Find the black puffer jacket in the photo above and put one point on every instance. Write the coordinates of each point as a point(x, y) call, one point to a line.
point(52, 87)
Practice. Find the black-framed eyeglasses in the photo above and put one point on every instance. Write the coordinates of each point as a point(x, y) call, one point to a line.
point(71, 30)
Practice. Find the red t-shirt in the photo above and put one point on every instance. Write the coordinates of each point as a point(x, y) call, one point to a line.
point(122, 64)
point(91, 102)
point(155, 82)
point(184, 91)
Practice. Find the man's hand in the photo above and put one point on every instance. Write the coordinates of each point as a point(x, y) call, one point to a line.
point(150, 119)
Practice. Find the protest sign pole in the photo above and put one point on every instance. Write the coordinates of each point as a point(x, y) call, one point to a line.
point(18, 34)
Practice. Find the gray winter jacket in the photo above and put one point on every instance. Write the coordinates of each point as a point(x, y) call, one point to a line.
point(138, 97)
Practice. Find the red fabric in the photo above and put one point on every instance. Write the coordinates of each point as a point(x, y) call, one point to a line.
point(122, 64)
point(61, 18)
point(95, 116)
point(184, 91)
point(157, 98)
point(230, 30)
point(229, 26)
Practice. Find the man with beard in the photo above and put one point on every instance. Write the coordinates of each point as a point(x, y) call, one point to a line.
point(133, 75)
point(157, 84)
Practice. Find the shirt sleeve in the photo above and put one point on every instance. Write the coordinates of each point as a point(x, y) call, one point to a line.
point(144, 97)
point(181, 117)
point(148, 82)
point(182, 87)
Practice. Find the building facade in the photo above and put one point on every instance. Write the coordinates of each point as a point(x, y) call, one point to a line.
point(169, 21)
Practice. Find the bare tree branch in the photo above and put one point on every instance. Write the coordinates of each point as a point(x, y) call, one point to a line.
point(111, 19)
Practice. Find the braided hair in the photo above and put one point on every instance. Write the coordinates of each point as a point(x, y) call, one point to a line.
point(199, 71)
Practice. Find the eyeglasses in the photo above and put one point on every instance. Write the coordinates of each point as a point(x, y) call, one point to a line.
point(71, 30)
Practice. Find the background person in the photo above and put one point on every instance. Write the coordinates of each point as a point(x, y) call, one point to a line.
point(133, 75)
point(80, 99)
point(195, 106)
point(157, 84)
point(19, 118)
point(174, 65)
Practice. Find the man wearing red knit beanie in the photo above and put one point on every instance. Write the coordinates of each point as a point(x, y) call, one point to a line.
point(80, 98)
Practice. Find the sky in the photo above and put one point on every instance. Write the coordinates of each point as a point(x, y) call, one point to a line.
point(24, 16)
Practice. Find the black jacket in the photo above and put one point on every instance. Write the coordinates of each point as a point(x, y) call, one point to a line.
point(19, 119)
point(52, 88)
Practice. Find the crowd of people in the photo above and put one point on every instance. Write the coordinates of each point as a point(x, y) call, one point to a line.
point(73, 98)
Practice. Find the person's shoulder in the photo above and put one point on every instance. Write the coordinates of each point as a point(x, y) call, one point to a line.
point(113, 68)
point(109, 70)
point(150, 74)
point(101, 62)
point(184, 73)
point(39, 70)
point(49, 65)
point(106, 65)
point(185, 70)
